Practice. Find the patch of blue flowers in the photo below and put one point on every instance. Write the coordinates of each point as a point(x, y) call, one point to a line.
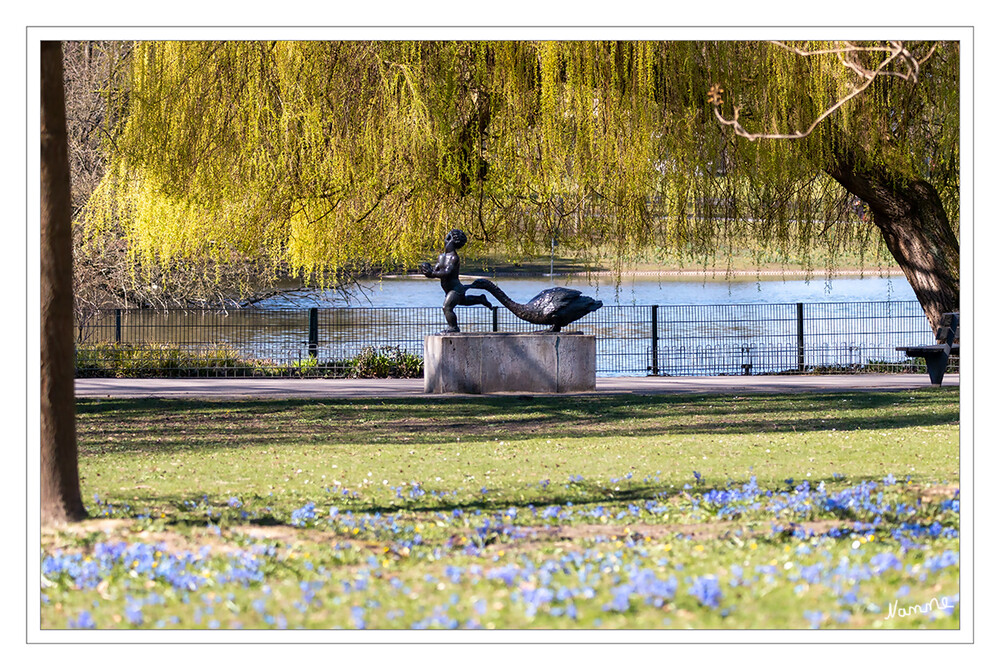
point(622, 574)
point(183, 571)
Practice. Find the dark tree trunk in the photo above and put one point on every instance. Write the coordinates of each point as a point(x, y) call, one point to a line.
point(60, 483)
point(915, 227)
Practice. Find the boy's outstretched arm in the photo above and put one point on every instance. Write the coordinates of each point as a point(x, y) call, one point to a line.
point(445, 266)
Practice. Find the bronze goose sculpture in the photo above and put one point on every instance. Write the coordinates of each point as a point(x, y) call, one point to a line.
point(554, 307)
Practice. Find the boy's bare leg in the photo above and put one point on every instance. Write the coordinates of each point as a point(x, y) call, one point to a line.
point(470, 300)
point(453, 298)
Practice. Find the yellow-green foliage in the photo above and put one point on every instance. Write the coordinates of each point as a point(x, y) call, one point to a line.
point(320, 155)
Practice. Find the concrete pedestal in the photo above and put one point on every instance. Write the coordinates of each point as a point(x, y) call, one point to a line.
point(510, 363)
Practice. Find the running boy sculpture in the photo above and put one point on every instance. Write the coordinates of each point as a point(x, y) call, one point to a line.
point(447, 271)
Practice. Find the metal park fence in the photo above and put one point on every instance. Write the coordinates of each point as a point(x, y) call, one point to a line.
point(675, 340)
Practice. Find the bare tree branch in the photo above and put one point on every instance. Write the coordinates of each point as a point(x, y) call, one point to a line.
point(896, 51)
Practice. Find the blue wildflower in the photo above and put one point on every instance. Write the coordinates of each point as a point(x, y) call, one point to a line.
point(814, 618)
point(885, 561)
point(655, 590)
point(133, 612)
point(706, 590)
point(936, 563)
point(950, 505)
point(358, 617)
point(507, 573)
point(304, 514)
point(619, 598)
point(811, 574)
point(85, 620)
point(535, 598)
point(453, 573)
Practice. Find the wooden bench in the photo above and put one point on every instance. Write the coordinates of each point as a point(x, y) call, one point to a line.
point(937, 355)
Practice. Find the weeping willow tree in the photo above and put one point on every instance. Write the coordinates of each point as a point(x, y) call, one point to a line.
point(323, 157)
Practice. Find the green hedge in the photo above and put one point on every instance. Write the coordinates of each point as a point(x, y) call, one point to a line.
point(163, 360)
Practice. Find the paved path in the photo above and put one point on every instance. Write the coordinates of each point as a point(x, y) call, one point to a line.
point(394, 388)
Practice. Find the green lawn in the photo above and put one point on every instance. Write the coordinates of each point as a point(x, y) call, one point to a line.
point(769, 511)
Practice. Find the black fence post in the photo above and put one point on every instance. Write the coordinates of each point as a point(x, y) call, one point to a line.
point(496, 322)
point(314, 331)
point(118, 326)
point(800, 336)
point(655, 340)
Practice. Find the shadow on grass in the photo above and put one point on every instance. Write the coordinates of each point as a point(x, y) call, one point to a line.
point(120, 425)
point(580, 494)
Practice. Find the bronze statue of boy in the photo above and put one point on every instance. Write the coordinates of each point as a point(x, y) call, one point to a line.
point(447, 270)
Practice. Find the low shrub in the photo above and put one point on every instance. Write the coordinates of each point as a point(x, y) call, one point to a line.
point(163, 360)
point(156, 360)
point(383, 362)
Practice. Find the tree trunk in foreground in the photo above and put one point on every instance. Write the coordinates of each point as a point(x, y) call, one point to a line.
point(60, 482)
point(915, 227)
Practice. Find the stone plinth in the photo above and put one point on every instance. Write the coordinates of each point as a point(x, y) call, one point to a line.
point(510, 363)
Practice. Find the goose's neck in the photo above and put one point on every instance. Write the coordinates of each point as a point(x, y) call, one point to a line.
point(502, 297)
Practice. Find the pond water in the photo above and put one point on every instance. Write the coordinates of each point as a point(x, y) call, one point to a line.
point(633, 290)
point(699, 327)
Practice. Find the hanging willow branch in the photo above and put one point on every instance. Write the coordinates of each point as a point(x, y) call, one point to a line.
point(320, 156)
